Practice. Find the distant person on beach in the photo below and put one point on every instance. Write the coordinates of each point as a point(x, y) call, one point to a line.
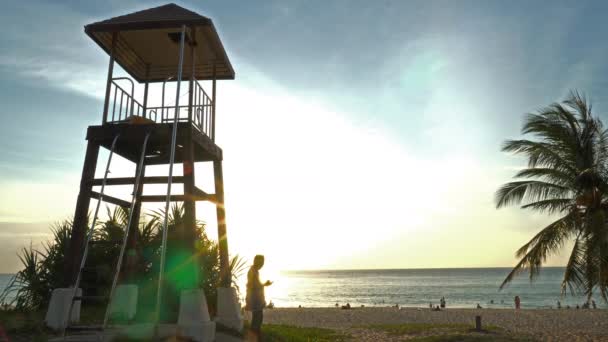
point(517, 302)
point(442, 302)
point(255, 299)
point(559, 305)
point(437, 308)
point(479, 306)
point(593, 305)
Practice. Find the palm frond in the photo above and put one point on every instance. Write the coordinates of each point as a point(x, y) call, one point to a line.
point(534, 253)
point(574, 276)
point(550, 175)
point(530, 191)
point(541, 154)
point(550, 206)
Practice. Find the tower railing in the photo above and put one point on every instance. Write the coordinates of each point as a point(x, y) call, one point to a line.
point(123, 106)
point(202, 108)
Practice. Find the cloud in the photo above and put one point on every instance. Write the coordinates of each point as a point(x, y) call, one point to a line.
point(53, 51)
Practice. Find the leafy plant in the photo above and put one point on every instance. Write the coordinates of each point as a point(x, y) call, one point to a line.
point(237, 266)
point(31, 287)
point(42, 271)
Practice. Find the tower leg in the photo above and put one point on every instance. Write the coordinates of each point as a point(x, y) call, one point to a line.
point(188, 236)
point(228, 307)
point(189, 191)
point(225, 279)
point(81, 215)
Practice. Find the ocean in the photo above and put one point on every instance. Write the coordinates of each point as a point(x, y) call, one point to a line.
point(4, 280)
point(462, 288)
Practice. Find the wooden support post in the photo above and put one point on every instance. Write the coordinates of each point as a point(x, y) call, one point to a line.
point(191, 83)
point(81, 216)
point(145, 105)
point(189, 229)
point(225, 278)
point(131, 256)
point(213, 104)
point(109, 81)
point(478, 323)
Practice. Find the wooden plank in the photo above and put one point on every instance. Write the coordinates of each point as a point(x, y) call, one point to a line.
point(200, 193)
point(131, 180)
point(110, 199)
point(177, 198)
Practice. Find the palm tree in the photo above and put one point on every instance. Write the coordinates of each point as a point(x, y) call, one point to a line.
point(566, 176)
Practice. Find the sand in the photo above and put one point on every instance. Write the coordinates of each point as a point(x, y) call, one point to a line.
point(544, 324)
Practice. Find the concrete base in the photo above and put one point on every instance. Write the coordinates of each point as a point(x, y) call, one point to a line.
point(201, 332)
point(229, 309)
point(124, 303)
point(148, 331)
point(193, 320)
point(222, 337)
point(59, 306)
point(142, 331)
point(167, 330)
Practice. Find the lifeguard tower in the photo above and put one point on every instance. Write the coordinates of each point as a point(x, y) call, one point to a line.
point(158, 45)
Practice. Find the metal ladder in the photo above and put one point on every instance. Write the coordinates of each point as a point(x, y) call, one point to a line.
point(73, 297)
point(125, 237)
point(138, 178)
point(163, 248)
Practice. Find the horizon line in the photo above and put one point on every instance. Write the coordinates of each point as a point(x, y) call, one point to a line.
point(403, 269)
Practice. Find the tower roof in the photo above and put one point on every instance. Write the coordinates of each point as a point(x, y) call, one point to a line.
point(147, 44)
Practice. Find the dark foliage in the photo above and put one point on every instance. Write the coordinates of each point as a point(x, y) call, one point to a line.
point(42, 270)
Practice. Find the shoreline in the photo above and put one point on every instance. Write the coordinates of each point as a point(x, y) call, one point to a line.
point(354, 307)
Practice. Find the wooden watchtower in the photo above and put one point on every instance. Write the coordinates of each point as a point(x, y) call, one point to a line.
point(158, 45)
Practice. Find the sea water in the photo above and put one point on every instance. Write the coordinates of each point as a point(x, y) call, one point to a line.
point(463, 287)
point(5, 279)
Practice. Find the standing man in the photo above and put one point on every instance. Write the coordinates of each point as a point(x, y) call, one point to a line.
point(517, 302)
point(255, 299)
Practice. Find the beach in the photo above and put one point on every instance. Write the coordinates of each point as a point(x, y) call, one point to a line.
point(542, 324)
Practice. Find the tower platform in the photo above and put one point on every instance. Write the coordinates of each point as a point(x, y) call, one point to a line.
point(129, 145)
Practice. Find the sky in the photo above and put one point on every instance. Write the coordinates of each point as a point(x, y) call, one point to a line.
point(357, 134)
